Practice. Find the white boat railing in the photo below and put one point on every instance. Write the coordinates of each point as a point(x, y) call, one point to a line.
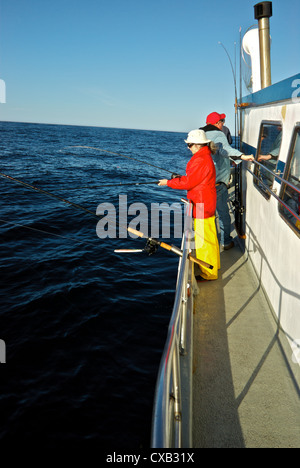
point(171, 424)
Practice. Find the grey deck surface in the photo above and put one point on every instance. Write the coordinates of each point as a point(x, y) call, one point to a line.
point(243, 392)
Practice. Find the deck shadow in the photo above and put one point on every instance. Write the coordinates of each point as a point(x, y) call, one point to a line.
point(244, 394)
point(216, 419)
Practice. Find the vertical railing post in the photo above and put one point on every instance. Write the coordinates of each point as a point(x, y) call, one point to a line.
point(177, 396)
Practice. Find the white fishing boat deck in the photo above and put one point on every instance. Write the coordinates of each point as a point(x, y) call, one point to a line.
point(244, 393)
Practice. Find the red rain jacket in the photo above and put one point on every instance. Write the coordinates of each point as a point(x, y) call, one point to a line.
point(200, 182)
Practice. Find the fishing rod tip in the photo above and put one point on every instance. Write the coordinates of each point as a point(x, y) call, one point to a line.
point(128, 250)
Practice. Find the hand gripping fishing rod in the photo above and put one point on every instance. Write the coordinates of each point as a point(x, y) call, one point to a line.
point(151, 245)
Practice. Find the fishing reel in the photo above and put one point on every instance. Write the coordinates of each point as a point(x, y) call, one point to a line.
point(151, 246)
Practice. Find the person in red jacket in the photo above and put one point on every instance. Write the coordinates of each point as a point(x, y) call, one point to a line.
point(200, 183)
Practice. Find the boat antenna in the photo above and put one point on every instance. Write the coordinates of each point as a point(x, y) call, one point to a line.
point(235, 86)
point(241, 91)
point(151, 243)
point(122, 155)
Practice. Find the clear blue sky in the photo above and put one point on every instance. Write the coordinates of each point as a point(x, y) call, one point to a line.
point(140, 64)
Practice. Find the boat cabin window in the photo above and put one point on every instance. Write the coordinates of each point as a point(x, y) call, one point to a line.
point(290, 194)
point(267, 155)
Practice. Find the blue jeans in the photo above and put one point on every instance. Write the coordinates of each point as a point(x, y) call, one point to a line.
point(223, 213)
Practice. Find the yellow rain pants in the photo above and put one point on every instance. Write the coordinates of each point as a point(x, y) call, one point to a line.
point(207, 246)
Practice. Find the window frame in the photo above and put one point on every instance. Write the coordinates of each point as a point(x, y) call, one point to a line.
point(291, 152)
point(265, 193)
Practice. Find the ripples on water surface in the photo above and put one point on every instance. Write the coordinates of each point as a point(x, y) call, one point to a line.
point(84, 327)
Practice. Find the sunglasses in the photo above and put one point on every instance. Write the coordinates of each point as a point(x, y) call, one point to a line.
point(190, 145)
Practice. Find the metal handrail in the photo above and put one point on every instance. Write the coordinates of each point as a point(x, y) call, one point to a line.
point(293, 213)
point(297, 189)
point(167, 410)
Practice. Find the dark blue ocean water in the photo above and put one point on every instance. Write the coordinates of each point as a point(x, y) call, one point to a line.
point(84, 327)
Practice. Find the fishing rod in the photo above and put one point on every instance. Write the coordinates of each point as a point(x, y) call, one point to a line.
point(151, 243)
point(156, 182)
point(122, 155)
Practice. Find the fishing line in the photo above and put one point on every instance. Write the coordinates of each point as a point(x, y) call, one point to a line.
point(122, 155)
point(4, 221)
point(151, 244)
point(50, 194)
point(30, 265)
point(120, 169)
